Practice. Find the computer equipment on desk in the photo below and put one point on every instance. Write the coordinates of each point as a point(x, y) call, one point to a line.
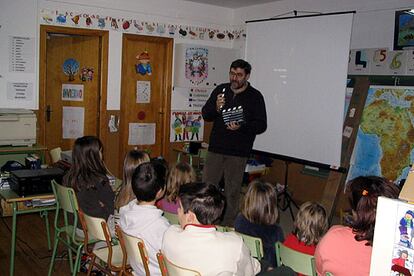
point(32, 182)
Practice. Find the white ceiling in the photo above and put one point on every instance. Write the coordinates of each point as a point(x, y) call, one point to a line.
point(232, 3)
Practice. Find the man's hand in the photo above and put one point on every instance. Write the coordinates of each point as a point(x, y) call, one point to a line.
point(220, 102)
point(233, 126)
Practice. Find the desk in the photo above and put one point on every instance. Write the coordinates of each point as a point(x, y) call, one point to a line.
point(39, 149)
point(11, 197)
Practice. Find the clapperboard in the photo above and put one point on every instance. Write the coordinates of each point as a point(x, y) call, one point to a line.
point(233, 114)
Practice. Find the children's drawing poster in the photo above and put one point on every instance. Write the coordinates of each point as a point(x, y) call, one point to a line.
point(72, 122)
point(403, 253)
point(196, 64)
point(186, 126)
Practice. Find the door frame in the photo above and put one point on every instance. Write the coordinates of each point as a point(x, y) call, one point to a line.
point(103, 76)
point(166, 87)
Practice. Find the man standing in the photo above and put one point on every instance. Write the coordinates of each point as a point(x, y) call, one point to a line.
point(238, 113)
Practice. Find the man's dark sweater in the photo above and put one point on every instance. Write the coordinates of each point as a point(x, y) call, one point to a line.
point(235, 142)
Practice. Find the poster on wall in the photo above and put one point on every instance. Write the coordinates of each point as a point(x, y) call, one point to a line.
point(22, 54)
point(72, 92)
point(141, 134)
point(186, 126)
point(73, 119)
point(189, 98)
point(20, 91)
point(403, 238)
point(143, 92)
point(359, 61)
point(196, 64)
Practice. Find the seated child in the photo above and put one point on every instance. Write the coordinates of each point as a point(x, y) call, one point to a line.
point(310, 225)
point(181, 173)
point(88, 176)
point(131, 161)
point(197, 244)
point(140, 217)
point(258, 218)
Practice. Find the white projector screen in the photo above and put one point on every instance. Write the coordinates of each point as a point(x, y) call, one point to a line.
point(300, 66)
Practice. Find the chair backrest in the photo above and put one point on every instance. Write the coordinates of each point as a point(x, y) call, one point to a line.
point(93, 227)
point(65, 197)
point(134, 248)
point(299, 262)
point(172, 218)
point(254, 244)
point(55, 154)
point(170, 269)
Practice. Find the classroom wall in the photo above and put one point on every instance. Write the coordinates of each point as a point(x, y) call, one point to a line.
point(373, 25)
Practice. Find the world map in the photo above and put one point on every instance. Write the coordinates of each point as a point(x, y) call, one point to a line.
point(385, 139)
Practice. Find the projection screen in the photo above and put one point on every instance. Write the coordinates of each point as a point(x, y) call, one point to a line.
point(300, 66)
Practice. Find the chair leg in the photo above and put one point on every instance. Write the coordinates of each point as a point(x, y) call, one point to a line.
point(77, 261)
point(91, 265)
point(52, 260)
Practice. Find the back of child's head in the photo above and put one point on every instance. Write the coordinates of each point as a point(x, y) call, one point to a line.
point(363, 196)
point(260, 203)
point(131, 161)
point(181, 173)
point(204, 200)
point(87, 168)
point(148, 179)
point(311, 223)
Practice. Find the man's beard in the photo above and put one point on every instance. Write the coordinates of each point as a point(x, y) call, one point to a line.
point(237, 85)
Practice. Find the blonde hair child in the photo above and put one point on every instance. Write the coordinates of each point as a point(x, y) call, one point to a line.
point(132, 160)
point(181, 173)
point(259, 216)
point(310, 225)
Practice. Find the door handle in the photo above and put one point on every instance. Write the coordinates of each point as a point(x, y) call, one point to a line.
point(48, 113)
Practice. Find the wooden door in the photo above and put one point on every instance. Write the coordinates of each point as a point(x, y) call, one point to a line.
point(86, 51)
point(158, 50)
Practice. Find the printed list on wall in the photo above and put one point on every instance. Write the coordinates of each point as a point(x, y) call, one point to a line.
point(21, 54)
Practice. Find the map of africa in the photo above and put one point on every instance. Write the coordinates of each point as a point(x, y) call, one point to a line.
point(385, 140)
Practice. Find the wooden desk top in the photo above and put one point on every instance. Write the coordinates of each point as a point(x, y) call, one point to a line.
point(17, 149)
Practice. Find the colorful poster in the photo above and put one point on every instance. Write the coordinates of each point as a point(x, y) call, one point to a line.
point(403, 253)
point(396, 61)
point(186, 126)
point(72, 122)
point(72, 92)
point(196, 65)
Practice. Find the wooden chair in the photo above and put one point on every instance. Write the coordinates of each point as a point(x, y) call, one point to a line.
point(172, 218)
point(169, 269)
point(66, 203)
point(254, 244)
point(132, 248)
point(299, 262)
point(111, 255)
